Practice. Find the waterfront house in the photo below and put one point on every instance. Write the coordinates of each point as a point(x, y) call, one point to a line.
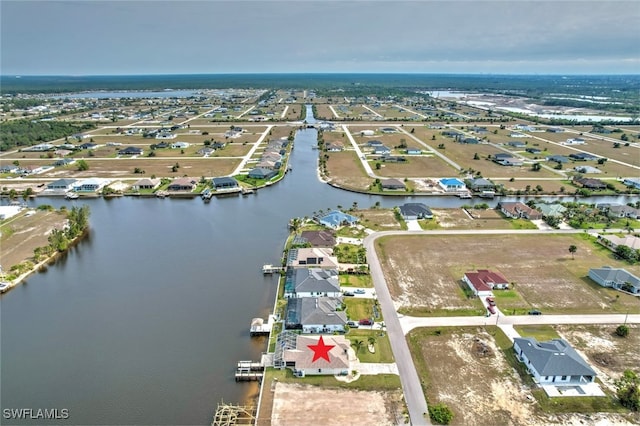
point(632, 182)
point(553, 362)
point(225, 182)
point(392, 184)
point(146, 183)
point(307, 257)
point(311, 282)
point(621, 211)
point(337, 219)
point(183, 184)
point(61, 185)
point(480, 184)
point(551, 210)
point(517, 210)
point(616, 278)
point(315, 355)
point(591, 183)
point(452, 185)
point(414, 211)
point(89, 185)
point(261, 173)
point(482, 282)
point(315, 315)
point(323, 238)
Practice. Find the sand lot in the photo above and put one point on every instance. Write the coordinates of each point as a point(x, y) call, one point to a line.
point(296, 404)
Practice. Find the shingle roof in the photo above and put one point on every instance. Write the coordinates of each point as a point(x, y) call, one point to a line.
point(554, 357)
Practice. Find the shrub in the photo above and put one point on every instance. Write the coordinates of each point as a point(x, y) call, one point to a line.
point(622, 330)
point(440, 414)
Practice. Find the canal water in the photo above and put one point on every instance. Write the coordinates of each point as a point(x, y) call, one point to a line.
point(143, 322)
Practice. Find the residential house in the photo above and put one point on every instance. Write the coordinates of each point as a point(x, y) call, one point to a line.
point(89, 185)
point(508, 161)
point(632, 182)
point(480, 184)
point(517, 210)
point(413, 151)
point(558, 158)
point(9, 168)
point(146, 183)
point(313, 355)
point(62, 152)
point(179, 145)
point(551, 210)
point(374, 143)
point(39, 148)
point(220, 183)
point(533, 150)
point(323, 238)
point(388, 130)
point(591, 183)
point(613, 241)
point(451, 133)
point(582, 156)
point(414, 211)
point(311, 282)
point(335, 146)
point(555, 129)
point(553, 362)
point(393, 159)
point(183, 184)
point(317, 257)
point(574, 141)
point(392, 184)
point(619, 210)
point(206, 151)
point(268, 164)
point(436, 126)
point(367, 133)
point(166, 136)
point(516, 144)
point(587, 170)
point(89, 146)
point(261, 173)
point(469, 141)
point(131, 150)
point(64, 162)
point(479, 130)
point(381, 150)
point(518, 135)
point(482, 282)
point(452, 185)
point(337, 219)
point(61, 185)
point(616, 278)
point(315, 315)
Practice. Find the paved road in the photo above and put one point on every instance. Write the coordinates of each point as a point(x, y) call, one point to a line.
point(409, 323)
point(414, 397)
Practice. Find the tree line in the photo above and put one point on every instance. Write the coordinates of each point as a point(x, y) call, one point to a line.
point(23, 133)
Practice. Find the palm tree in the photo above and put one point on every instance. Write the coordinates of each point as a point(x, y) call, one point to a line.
point(371, 340)
point(572, 250)
point(357, 345)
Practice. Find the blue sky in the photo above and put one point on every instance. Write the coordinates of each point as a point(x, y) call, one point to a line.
point(172, 37)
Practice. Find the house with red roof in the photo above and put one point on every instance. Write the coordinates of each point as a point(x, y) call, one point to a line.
point(483, 282)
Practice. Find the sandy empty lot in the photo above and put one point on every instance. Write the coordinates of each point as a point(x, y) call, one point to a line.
point(295, 405)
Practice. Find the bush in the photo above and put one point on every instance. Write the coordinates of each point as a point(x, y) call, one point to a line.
point(440, 414)
point(622, 330)
point(628, 390)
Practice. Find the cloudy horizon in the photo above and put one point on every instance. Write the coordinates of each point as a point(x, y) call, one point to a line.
point(223, 37)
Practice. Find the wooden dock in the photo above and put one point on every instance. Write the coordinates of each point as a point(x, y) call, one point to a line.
point(271, 269)
point(249, 371)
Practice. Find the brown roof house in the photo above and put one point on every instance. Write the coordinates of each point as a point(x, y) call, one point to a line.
point(517, 210)
point(183, 184)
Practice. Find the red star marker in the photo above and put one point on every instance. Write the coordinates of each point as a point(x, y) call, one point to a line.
point(320, 350)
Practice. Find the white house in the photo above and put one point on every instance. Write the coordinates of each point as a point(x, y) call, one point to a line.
point(484, 281)
point(553, 362)
point(179, 145)
point(574, 141)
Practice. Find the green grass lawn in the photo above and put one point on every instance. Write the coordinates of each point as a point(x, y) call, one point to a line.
point(510, 302)
point(360, 280)
point(539, 332)
point(382, 346)
point(358, 309)
point(368, 383)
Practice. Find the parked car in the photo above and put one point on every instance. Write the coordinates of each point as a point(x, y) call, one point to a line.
point(491, 309)
point(365, 321)
point(535, 312)
point(347, 293)
point(359, 291)
point(352, 324)
point(491, 301)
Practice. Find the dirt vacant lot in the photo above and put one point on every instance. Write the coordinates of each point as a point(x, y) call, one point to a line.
point(295, 404)
point(424, 272)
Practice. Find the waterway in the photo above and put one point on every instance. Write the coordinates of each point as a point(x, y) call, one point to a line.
point(143, 322)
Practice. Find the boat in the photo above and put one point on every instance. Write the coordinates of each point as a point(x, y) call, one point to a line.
point(72, 196)
point(487, 194)
point(464, 194)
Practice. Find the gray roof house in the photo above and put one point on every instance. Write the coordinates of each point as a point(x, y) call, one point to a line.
point(616, 278)
point(315, 314)
point(311, 282)
point(553, 362)
point(393, 184)
point(480, 184)
point(61, 185)
point(413, 211)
